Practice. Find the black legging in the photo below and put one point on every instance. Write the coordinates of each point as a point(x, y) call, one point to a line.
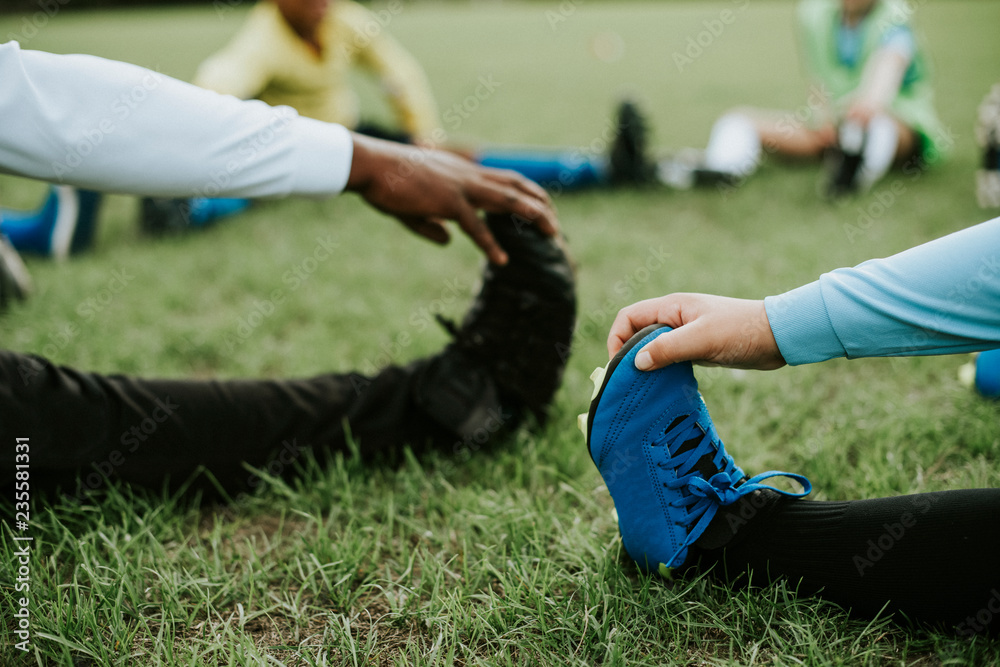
point(143, 430)
point(932, 557)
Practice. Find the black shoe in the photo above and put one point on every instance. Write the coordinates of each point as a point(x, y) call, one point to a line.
point(512, 346)
point(687, 170)
point(159, 216)
point(988, 138)
point(15, 281)
point(842, 173)
point(89, 203)
point(629, 159)
point(843, 163)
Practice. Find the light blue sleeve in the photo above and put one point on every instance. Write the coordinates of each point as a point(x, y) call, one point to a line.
point(942, 297)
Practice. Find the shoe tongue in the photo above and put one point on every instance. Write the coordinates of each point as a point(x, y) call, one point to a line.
point(706, 464)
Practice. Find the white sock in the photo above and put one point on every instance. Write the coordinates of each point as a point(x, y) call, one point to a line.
point(67, 214)
point(851, 137)
point(733, 145)
point(880, 149)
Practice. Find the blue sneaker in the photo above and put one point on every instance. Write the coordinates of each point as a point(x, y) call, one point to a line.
point(654, 444)
point(988, 373)
point(64, 225)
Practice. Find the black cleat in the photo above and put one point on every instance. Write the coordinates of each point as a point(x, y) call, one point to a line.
point(988, 138)
point(159, 216)
point(513, 344)
point(842, 173)
point(629, 160)
point(843, 163)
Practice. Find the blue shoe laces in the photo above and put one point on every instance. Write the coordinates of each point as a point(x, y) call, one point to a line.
point(705, 496)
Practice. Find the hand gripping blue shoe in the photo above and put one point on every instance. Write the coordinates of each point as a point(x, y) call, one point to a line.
point(656, 448)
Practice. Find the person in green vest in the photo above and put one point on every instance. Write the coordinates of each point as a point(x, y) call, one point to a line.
point(870, 105)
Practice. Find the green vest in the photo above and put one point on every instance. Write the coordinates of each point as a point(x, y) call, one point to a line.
point(914, 105)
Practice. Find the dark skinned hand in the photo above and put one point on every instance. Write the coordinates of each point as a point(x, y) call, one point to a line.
point(425, 187)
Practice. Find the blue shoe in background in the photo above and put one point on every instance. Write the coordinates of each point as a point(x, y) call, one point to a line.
point(64, 225)
point(562, 170)
point(205, 211)
point(159, 216)
point(651, 437)
point(988, 373)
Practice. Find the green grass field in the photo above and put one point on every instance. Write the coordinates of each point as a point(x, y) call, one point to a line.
point(513, 556)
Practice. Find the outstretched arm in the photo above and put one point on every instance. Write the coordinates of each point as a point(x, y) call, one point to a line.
point(111, 126)
point(107, 125)
point(942, 297)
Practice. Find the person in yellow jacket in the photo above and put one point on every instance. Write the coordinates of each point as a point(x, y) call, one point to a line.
point(300, 53)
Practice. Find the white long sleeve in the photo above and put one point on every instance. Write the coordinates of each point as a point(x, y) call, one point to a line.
point(106, 125)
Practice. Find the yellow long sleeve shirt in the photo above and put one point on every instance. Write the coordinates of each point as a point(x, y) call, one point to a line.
point(267, 60)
